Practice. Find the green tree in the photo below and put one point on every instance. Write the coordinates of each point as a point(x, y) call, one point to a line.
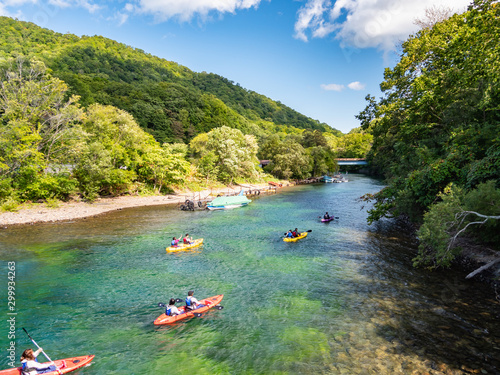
point(232, 153)
point(438, 121)
point(476, 213)
point(38, 130)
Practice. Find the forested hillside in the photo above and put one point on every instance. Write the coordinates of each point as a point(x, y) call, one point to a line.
point(437, 132)
point(168, 100)
point(88, 117)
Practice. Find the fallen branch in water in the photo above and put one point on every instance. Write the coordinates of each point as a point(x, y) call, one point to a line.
point(481, 269)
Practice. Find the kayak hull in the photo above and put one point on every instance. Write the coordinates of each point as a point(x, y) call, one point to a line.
point(293, 239)
point(64, 365)
point(207, 303)
point(182, 247)
point(327, 220)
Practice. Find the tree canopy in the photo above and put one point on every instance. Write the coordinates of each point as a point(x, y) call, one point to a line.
point(438, 123)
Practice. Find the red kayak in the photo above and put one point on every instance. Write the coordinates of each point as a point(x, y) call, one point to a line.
point(205, 305)
point(64, 365)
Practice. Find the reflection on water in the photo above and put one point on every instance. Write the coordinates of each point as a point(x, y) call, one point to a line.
point(345, 300)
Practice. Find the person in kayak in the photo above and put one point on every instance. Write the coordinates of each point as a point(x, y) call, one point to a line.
point(296, 232)
point(289, 234)
point(172, 310)
point(187, 240)
point(30, 365)
point(191, 302)
point(174, 242)
point(326, 216)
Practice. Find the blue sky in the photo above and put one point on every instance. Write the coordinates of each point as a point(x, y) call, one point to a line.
point(319, 57)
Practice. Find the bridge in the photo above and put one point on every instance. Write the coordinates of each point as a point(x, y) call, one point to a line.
point(351, 161)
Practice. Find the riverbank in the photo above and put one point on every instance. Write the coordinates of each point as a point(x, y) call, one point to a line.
point(41, 213)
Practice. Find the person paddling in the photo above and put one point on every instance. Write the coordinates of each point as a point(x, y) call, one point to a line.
point(191, 302)
point(289, 234)
point(30, 365)
point(172, 310)
point(295, 233)
point(326, 216)
point(187, 240)
point(175, 242)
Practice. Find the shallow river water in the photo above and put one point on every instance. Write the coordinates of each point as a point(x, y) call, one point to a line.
point(344, 300)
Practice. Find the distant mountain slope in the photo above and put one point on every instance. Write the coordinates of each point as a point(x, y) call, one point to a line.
point(167, 99)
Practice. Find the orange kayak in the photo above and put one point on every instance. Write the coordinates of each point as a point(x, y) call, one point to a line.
point(64, 365)
point(206, 304)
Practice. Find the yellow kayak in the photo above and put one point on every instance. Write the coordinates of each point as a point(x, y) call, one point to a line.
point(293, 239)
point(182, 247)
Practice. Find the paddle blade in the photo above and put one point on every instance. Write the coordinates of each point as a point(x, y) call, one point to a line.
point(161, 304)
point(178, 300)
point(197, 314)
point(218, 307)
point(309, 231)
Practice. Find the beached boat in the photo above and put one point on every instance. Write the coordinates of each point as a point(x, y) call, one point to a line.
point(326, 178)
point(183, 246)
point(223, 203)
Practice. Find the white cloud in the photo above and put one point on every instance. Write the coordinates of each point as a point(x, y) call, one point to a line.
point(4, 5)
point(356, 86)
point(332, 87)
point(60, 3)
point(120, 18)
point(185, 10)
point(366, 23)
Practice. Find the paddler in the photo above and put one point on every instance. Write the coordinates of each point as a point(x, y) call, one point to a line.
point(295, 233)
point(30, 365)
point(187, 240)
point(191, 302)
point(289, 234)
point(174, 242)
point(172, 310)
point(326, 216)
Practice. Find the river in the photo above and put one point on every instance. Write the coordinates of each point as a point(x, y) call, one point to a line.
point(344, 300)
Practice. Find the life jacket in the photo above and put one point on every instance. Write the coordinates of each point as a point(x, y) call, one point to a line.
point(168, 311)
point(174, 243)
point(295, 234)
point(28, 370)
point(188, 301)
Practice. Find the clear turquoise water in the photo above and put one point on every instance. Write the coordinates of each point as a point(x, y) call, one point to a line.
point(345, 300)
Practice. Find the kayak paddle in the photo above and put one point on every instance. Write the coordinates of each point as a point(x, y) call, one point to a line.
point(160, 304)
point(45, 354)
point(218, 307)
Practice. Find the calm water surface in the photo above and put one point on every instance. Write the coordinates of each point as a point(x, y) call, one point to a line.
point(345, 300)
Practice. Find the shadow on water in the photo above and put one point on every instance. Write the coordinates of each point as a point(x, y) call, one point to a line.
point(444, 321)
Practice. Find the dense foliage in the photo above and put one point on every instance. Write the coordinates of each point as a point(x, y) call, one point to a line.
point(475, 213)
point(51, 148)
point(438, 122)
point(90, 116)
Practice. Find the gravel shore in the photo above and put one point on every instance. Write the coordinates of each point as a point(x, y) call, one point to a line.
point(76, 210)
